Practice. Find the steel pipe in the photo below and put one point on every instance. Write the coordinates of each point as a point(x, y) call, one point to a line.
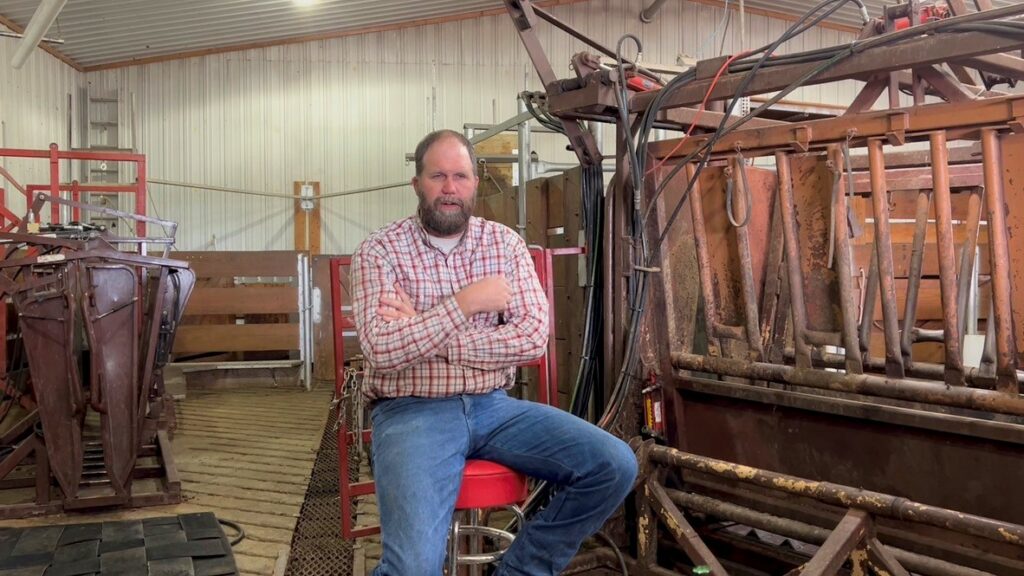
point(868, 384)
point(647, 14)
point(806, 532)
point(41, 21)
point(869, 501)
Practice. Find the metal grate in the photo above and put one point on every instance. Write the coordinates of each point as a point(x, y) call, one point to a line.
point(317, 546)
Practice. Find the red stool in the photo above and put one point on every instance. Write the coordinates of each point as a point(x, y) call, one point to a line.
point(485, 484)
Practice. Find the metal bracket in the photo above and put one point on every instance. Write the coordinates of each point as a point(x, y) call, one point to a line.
point(1017, 111)
point(801, 138)
point(899, 123)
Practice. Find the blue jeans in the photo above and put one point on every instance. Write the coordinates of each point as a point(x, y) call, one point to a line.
point(420, 446)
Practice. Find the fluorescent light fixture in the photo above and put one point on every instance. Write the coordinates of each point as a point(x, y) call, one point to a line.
point(304, 2)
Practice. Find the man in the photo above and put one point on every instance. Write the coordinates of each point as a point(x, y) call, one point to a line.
point(446, 305)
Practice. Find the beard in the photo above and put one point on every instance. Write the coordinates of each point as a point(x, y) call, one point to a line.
point(444, 223)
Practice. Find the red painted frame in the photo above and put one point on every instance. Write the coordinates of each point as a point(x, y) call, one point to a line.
point(55, 187)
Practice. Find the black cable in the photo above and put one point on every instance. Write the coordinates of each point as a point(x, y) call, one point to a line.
point(637, 292)
point(615, 549)
point(234, 526)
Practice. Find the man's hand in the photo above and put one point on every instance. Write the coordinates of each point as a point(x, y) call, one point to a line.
point(397, 308)
point(490, 294)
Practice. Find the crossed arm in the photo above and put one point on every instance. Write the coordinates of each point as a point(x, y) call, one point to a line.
point(395, 335)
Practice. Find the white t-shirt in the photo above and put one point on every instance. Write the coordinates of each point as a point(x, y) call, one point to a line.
point(445, 245)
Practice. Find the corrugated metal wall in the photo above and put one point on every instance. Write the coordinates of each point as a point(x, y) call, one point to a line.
point(344, 112)
point(33, 113)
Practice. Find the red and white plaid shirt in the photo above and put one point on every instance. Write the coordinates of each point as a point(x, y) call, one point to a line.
point(439, 352)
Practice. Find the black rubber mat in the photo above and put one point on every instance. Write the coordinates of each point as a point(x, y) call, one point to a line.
point(186, 545)
point(317, 545)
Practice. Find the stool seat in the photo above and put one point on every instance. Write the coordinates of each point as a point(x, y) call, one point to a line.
point(487, 484)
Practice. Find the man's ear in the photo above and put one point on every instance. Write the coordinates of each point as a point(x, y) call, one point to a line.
point(415, 183)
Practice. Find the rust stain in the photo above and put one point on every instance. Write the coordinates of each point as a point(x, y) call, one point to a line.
point(1009, 536)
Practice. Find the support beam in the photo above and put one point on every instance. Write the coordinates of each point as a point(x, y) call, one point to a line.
point(50, 49)
point(41, 21)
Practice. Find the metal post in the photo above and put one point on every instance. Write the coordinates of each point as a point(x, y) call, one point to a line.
point(524, 169)
point(647, 14)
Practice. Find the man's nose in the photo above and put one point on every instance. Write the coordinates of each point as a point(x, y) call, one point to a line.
point(449, 186)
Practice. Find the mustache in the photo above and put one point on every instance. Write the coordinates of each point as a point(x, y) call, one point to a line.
point(449, 201)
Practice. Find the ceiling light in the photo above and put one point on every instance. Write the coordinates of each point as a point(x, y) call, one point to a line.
point(304, 2)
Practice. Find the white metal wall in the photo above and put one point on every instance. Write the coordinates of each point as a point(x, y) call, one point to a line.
point(33, 113)
point(345, 112)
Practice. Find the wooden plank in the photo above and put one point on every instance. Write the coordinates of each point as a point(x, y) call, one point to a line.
point(243, 300)
point(230, 264)
point(929, 301)
point(236, 338)
point(307, 222)
point(902, 204)
point(496, 198)
point(537, 217)
point(903, 233)
point(901, 259)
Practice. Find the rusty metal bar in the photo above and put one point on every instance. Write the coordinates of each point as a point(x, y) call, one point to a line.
point(968, 253)
point(742, 200)
point(871, 58)
point(869, 384)
point(1006, 348)
point(914, 280)
point(844, 267)
point(681, 530)
point(796, 282)
point(805, 532)
point(819, 338)
point(973, 376)
point(846, 536)
point(647, 528)
point(867, 311)
point(817, 133)
point(988, 352)
point(869, 501)
point(880, 554)
point(954, 372)
point(883, 250)
point(703, 261)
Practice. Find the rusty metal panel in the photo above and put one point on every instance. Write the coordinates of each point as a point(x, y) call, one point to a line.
point(812, 191)
point(1013, 178)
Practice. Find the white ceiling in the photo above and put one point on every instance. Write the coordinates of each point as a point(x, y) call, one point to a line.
point(102, 32)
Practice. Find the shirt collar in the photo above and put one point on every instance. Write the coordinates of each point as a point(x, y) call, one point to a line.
point(468, 241)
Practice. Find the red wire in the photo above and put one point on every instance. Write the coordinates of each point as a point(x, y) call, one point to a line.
point(703, 104)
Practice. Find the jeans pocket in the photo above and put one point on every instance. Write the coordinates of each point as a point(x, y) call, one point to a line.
point(383, 407)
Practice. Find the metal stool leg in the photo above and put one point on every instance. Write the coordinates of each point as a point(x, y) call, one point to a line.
point(453, 545)
point(475, 541)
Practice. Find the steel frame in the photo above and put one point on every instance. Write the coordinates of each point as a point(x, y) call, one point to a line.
point(780, 364)
point(55, 186)
point(128, 306)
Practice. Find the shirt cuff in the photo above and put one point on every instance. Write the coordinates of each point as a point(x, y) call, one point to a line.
point(458, 321)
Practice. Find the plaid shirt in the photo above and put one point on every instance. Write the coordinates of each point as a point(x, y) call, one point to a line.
point(439, 352)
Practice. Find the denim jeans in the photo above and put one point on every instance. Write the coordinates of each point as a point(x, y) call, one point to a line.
point(420, 446)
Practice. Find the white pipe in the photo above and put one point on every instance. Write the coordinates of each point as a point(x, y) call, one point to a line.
point(647, 14)
point(41, 21)
point(7, 34)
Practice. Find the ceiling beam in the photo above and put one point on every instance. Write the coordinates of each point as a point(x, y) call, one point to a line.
point(53, 51)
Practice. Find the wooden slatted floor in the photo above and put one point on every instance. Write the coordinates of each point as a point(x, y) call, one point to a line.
point(245, 455)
